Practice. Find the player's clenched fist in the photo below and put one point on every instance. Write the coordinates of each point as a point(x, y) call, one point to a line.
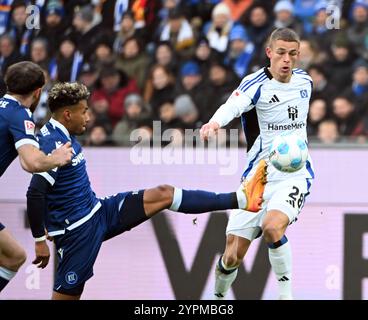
point(209, 129)
point(63, 155)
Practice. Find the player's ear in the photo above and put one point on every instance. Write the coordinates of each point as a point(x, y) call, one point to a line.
point(268, 52)
point(67, 115)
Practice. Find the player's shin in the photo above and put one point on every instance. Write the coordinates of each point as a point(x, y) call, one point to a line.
point(5, 276)
point(225, 277)
point(281, 261)
point(198, 201)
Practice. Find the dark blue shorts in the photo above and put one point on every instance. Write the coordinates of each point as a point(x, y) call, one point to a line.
point(1, 226)
point(77, 249)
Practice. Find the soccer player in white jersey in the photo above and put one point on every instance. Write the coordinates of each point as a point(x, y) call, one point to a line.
point(270, 101)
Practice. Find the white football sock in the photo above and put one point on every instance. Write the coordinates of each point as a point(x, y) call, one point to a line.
point(224, 281)
point(242, 199)
point(280, 259)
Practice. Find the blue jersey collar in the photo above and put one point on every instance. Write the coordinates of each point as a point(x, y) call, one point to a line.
point(57, 124)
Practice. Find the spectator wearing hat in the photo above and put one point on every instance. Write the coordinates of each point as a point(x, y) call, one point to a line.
point(321, 33)
point(54, 26)
point(187, 112)
point(133, 60)
point(204, 55)
point(112, 87)
point(136, 112)
point(358, 30)
point(191, 83)
point(218, 29)
point(179, 33)
point(284, 16)
point(240, 52)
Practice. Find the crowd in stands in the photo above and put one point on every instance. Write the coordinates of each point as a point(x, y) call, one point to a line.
point(177, 61)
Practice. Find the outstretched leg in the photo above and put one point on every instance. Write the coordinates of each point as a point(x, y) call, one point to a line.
point(12, 256)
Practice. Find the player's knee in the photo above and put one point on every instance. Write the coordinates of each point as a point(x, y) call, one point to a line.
point(166, 193)
point(231, 260)
point(272, 232)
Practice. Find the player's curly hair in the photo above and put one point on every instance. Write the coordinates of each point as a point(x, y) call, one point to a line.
point(65, 94)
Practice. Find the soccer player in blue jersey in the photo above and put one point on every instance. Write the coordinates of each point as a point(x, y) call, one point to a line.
point(24, 81)
point(271, 101)
point(62, 201)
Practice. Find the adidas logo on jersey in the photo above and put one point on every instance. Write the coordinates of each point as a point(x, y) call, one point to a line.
point(284, 278)
point(274, 99)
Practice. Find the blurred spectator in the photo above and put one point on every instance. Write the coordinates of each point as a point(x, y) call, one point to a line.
point(55, 25)
point(346, 115)
point(259, 24)
point(317, 114)
point(18, 30)
point(103, 55)
point(179, 33)
point(4, 15)
point(168, 116)
point(328, 132)
point(68, 62)
point(204, 56)
point(191, 83)
point(309, 53)
point(126, 31)
point(322, 88)
point(321, 33)
point(8, 53)
point(218, 29)
point(88, 76)
point(187, 112)
point(159, 88)
point(358, 29)
point(113, 86)
point(165, 56)
point(340, 63)
point(133, 61)
point(284, 16)
point(87, 33)
point(135, 113)
point(359, 88)
point(42, 113)
point(98, 136)
point(240, 52)
point(221, 83)
point(39, 51)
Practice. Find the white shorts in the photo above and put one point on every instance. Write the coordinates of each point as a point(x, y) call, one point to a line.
point(287, 196)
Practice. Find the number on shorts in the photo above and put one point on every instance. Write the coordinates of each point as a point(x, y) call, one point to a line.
point(294, 195)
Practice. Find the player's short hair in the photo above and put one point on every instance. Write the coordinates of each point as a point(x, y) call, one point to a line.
point(284, 34)
point(66, 94)
point(24, 77)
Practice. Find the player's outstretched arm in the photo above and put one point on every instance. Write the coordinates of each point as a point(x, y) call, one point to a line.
point(34, 160)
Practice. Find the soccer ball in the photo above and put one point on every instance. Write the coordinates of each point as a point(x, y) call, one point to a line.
point(288, 152)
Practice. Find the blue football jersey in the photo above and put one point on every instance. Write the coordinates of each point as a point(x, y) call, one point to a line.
point(16, 129)
point(70, 197)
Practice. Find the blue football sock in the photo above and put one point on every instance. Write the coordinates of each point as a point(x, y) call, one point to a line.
point(198, 201)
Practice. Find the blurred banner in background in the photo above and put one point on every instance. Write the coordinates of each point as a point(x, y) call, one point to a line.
point(173, 256)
